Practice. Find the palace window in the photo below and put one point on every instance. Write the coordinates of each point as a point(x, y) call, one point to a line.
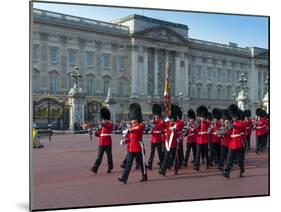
point(199, 91)
point(228, 75)
point(89, 58)
point(219, 74)
point(121, 88)
point(35, 53)
point(105, 86)
point(198, 72)
point(34, 83)
point(90, 84)
point(219, 93)
point(72, 54)
point(53, 55)
point(53, 85)
point(209, 73)
point(121, 63)
point(209, 92)
point(106, 61)
point(228, 92)
point(182, 64)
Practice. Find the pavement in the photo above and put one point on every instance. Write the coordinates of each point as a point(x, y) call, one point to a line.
point(61, 177)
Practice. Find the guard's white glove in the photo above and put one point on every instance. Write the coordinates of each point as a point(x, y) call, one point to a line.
point(122, 142)
point(125, 132)
point(167, 119)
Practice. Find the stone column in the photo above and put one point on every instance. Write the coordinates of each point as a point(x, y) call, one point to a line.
point(186, 77)
point(178, 77)
point(134, 72)
point(253, 82)
point(145, 69)
point(156, 89)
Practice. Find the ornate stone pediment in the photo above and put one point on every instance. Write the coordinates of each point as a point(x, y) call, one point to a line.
point(162, 33)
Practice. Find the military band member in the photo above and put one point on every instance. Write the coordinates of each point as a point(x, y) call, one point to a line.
point(105, 142)
point(224, 133)
point(191, 137)
point(202, 136)
point(249, 126)
point(215, 139)
point(235, 145)
point(170, 142)
point(261, 130)
point(157, 135)
point(180, 138)
point(133, 140)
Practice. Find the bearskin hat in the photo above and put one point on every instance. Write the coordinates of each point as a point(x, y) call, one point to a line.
point(247, 113)
point(191, 114)
point(202, 111)
point(174, 112)
point(105, 113)
point(241, 114)
point(135, 112)
point(179, 112)
point(156, 109)
point(233, 111)
point(225, 114)
point(216, 113)
point(263, 113)
point(209, 116)
point(258, 111)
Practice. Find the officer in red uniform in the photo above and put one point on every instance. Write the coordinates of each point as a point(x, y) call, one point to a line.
point(133, 140)
point(235, 145)
point(180, 138)
point(215, 139)
point(157, 135)
point(224, 133)
point(202, 131)
point(261, 130)
point(105, 143)
point(170, 142)
point(249, 126)
point(191, 137)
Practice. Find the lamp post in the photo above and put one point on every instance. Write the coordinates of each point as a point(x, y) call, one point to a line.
point(265, 99)
point(242, 96)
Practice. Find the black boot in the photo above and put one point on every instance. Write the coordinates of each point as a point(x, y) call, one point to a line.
point(196, 168)
point(144, 178)
point(94, 169)
point(226, 174)
point(122, 180)
point(149, 166)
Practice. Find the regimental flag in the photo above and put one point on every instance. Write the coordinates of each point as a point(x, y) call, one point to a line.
point(167, 97)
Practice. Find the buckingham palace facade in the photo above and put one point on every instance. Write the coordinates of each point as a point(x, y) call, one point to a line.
point(129, 56)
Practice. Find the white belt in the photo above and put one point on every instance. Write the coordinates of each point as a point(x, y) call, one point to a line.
point(191, 134)
point(202, 133)
point(214, 133)
point(247, 127)
point(105, 134)
point(157, 132)
point(236, 135)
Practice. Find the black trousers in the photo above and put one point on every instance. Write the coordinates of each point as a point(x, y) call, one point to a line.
point(130, 158)
point(261, 142)
point(180, 153)
point(108, 151)
point(190, 146)
point(248, 142)
point(223, 155)
point(238, 153)
point(201, 149)
point(158, 146)
point(215, 149)
point(169, 159)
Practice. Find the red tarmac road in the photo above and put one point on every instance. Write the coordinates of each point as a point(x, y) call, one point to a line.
point(62, 177)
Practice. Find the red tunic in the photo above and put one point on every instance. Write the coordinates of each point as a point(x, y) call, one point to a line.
point(214, 133)
point(105, 133)
point(135, 137)
point(179, 128)
point(249, 126)
point(262, 127)
point(158, 131)
point(236, 139)
point(168, 133)
point(226, 138)
point(202, 132)
point(191, 136)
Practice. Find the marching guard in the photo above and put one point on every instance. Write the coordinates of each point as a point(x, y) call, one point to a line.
point(105, 142)
point(157, 135)
point(215, 139)
point(249, 126)
point(202, 131)
point(135, 144)
point(180, 138)
point(261, 130)
point(191, 137)
point(235, 145)
point(170, 142)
